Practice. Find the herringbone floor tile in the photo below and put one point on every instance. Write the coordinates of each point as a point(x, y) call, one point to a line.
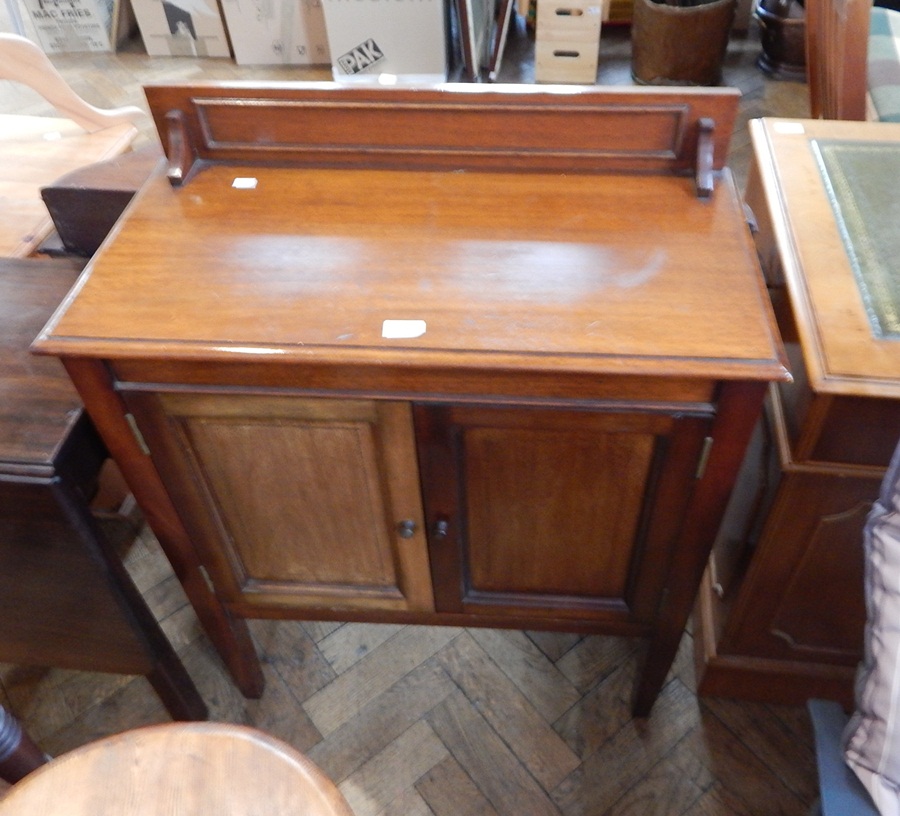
point(439, 720)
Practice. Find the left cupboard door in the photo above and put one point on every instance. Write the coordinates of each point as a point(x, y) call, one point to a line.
point(295, 503)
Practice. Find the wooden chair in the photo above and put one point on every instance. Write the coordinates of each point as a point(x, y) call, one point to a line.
point(853, 60)
point(194, 769)
point(37, 150)
point(837, 34)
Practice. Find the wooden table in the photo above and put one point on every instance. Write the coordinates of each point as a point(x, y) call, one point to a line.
point(36, 151)
point(789, 626)
point(460, 356)
point(66, 600)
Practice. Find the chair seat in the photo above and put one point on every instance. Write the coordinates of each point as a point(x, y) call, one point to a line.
point(192, 769)
point(34, 152)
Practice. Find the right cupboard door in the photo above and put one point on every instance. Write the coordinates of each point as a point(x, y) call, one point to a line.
point(559, 514)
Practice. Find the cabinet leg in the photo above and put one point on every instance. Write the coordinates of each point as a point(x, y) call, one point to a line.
point(658, 661)
point(229, 635)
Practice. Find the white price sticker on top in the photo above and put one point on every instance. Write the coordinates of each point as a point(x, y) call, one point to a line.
point(402, 329)
point(789, 128)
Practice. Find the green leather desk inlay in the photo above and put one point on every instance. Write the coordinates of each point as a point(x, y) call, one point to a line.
point(863, 182)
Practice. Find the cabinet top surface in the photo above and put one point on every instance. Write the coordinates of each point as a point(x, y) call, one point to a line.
point(601, 273)
point(831, 266)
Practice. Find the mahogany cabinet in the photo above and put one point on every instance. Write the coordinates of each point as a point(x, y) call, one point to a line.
point(781, 611)
point(454, 356)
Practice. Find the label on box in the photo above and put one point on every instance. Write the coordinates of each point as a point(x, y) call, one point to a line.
point(364, 56)
point(403, 39)
point(64, 26)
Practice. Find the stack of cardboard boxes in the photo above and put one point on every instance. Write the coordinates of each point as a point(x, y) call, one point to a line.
point(567, 40)
point(363, 40)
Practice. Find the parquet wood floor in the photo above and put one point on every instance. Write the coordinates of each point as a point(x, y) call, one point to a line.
point(445, 721)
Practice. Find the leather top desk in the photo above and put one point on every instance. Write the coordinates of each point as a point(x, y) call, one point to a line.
point(790, 625)
point(462, 356)
point(824, 256)
point(66, 599)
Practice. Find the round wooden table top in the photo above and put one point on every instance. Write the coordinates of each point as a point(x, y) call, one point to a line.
point(178, 768)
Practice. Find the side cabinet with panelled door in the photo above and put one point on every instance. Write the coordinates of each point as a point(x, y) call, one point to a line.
point(554, 514)
point(562, 373)
point(295, 503)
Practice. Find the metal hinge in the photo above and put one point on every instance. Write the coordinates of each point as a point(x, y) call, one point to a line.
point(209, 581)
point(138, 436)
point(750, 218)
point(704, 457)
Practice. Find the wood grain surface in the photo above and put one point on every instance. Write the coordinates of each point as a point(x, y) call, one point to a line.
point(192, 768)
point(841, 354)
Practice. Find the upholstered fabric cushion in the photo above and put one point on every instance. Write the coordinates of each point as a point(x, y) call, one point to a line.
point(872, 738)
point(884, 63)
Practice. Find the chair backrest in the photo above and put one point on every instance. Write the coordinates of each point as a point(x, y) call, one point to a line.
point(37, 150)
point(23, 61)
point(837, 34)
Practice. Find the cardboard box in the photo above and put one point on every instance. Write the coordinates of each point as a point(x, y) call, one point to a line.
point(63, 26)
point(567, 41)
point(372, 40)
point(277, 32)
point(181, 28)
